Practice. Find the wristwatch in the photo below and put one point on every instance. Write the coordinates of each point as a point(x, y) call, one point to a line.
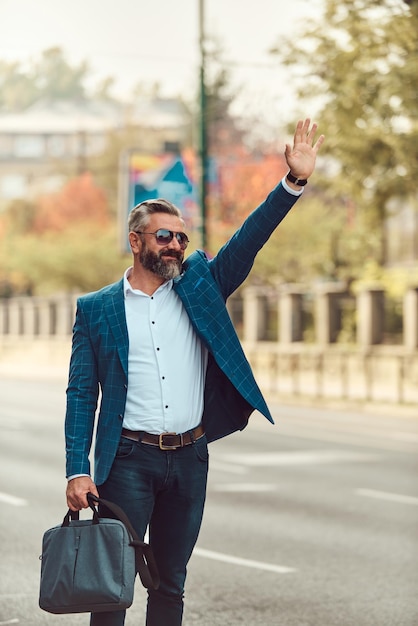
point(296, 181)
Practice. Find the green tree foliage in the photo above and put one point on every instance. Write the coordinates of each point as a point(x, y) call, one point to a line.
point(50, 77)
point(54, 78)
point(301, 251)
point(16, 87)
point(359, 64)
point(80, 259)
point(77, 261)
point(222, 127)
point(62, 242)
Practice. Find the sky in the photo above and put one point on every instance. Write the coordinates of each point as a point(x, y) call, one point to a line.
point(157, 41)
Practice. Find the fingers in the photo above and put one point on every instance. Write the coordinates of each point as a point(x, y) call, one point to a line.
point(319, 143)
point(304, 133)
point(77, 490)
point(298, 132)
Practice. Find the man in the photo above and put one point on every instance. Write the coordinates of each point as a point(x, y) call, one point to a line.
point(162, 351)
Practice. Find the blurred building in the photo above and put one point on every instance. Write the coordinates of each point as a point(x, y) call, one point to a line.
point(43, 145)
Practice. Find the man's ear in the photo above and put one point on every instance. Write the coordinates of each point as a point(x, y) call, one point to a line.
point(134, 242)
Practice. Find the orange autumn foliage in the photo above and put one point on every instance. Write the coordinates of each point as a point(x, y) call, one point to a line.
point(245, 182)
point(79, 200)
point(242, 181)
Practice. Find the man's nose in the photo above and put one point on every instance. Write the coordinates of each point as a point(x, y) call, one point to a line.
point(174, 244)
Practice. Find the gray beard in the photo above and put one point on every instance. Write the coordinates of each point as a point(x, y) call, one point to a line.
point(155, 263)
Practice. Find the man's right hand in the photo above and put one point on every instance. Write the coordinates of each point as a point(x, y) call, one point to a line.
point(77, 490)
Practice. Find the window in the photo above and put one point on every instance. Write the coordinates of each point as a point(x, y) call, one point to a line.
point(57, 145)
point(29, 146)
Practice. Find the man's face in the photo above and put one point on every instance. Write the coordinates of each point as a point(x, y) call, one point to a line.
point(164, 261)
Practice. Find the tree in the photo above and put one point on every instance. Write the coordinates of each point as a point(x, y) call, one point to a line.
point(55, 78)
point(78, 203)
point(16, 87)
point(63, 241)
point(298, 251)
point(77, 260)
point(223, 127)
point(50, 77)
point(360, 63)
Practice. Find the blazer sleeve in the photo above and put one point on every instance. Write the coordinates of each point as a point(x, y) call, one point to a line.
point(231, 266)
point(82, 397)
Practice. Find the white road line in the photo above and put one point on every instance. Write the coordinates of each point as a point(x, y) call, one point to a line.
point(298, 457)
point(8, 499)
point(243, 487)
point(234, 560)
point(403, 436)
point(223, 466)
point(381, 441)
point(391, 497)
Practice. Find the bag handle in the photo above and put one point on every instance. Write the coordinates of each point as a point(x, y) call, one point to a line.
point(144, 557)
point(75, 515)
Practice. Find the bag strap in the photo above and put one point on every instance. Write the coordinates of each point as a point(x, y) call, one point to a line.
point(144, 557)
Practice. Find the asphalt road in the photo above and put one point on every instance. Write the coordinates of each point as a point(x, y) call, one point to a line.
point(312, 522)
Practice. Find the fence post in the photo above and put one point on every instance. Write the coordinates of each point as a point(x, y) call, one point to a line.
point(410, 319)
point(370, 316)
point(64, 311)
point(254, 313)
point(327, 312)
point(4, 316)
point(290, 314)
point(15, 316)
point(46, 312)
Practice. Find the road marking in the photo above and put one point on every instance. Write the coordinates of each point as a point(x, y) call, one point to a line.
point(400, 441)
point(234, 560)
point(244, 487)
point(403, 436)
point(221, 466)
point(352, 439)
point(383, 495)
point(8, 499)
point(304, 457)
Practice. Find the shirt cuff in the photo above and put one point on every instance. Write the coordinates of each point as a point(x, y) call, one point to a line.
point(76, 476)
point(289, 189)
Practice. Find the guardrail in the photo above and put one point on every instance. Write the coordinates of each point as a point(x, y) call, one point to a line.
point(37, 330)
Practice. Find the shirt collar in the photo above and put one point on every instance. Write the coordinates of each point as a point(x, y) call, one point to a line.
point(128, 291)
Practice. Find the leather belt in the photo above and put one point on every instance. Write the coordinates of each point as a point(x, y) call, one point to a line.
point(165, 441)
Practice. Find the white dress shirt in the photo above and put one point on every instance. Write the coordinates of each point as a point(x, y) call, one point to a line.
point(166, 363)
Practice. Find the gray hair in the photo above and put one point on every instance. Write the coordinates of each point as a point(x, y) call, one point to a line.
point(139, 216)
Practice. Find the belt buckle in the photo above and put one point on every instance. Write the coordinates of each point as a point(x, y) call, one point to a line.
point(161, 443)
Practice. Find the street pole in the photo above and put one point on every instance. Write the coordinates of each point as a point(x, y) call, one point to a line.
point(203, 143)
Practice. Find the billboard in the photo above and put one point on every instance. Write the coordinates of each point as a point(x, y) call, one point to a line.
point(145, 176)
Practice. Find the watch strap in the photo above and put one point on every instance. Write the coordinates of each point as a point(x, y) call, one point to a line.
point(301, 182)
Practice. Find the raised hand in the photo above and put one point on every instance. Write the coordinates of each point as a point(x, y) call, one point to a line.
point(301, 157)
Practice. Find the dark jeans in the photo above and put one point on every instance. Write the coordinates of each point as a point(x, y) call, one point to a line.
point(165, 489)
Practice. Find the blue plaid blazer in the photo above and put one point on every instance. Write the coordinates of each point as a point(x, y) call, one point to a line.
point(99, 359)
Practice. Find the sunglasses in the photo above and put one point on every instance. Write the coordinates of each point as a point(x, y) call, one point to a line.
point(164, 236)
